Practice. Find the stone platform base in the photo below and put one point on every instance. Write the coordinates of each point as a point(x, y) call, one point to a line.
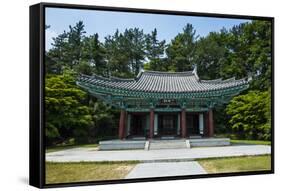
point(162, 144)
point(121, 144)
point(209, 142)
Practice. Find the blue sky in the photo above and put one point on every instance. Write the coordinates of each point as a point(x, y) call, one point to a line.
point(106, 22)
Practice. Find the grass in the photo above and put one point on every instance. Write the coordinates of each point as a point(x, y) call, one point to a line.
point(235, 140)
point(65, 172)
point(236, 164)
point(250, 142)
point(57, 172)
point(70, 146)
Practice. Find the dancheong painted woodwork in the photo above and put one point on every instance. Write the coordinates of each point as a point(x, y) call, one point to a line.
point(157, 104)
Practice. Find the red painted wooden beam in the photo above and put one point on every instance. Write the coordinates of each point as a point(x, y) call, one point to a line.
point(206, 129)
point(151, 126)
point(183, 124)
point(211, 123)
point(122, 124)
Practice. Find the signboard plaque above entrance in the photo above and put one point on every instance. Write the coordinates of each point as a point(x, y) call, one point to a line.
point(168, 102)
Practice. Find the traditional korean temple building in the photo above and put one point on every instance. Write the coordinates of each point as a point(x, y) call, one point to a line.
point(159, 104)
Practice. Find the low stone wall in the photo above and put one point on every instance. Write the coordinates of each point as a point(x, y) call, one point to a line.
point(209, 142)
point(121, 145)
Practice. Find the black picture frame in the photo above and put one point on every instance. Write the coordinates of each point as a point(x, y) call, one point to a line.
point(37, 84)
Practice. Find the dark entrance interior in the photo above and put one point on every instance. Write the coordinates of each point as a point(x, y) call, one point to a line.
point(138, 124)
point(192, 124)
point(167, 124)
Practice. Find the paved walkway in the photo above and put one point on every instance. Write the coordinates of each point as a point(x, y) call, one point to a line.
point(167, 155)
point(161, 169)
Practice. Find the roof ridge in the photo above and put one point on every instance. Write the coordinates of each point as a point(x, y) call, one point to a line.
point(189, 73)
point(167, 72)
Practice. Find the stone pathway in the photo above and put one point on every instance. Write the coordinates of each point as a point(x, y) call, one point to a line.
point(162, 169)
point(164, 155)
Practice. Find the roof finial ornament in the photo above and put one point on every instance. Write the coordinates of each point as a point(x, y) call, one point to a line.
point(195, 72)
point(194, 69)
point(250, 77)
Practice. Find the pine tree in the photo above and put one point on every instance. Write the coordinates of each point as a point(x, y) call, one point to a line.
point(75, 38)
point(181, 50)
point(155, 51)
point(94, 54)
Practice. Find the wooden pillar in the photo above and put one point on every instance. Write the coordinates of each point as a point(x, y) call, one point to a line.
point(201, 123)
point(206, 122)
point(178, 124)
point(183, 123)
point(122, 124)
point(155, 127)
point(128, 124)
point(210, 123)
point(151, 124)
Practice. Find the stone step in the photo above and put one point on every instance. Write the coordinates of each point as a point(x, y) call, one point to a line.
point(195, 137)
point(167, 144)
point(138, 138)
point(167, 138)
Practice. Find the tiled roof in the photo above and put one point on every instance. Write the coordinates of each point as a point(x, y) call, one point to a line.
point(163, 82)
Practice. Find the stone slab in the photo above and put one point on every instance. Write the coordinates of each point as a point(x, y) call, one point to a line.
point(121, 145)
point(88, 154)
point(209, 142)
point(162, 169)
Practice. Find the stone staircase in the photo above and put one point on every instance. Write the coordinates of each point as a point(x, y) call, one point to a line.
point(168, 144)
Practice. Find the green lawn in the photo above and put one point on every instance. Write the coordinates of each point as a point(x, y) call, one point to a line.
point(250, 142)
point(86, 171)
point(63, 147)
point(63, 172)
point(236, 164)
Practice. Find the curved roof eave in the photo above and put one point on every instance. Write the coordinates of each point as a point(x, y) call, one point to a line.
point(163, 82)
